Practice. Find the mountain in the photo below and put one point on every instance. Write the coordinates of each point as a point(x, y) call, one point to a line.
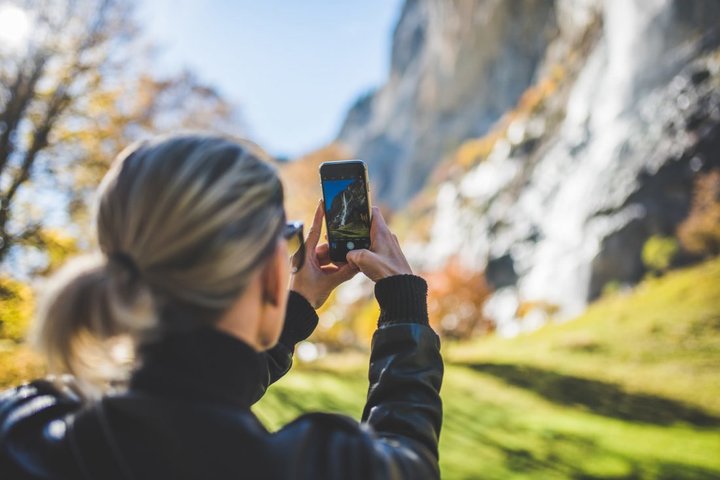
point(347, 210)
point(543, 141)
point(456, 67)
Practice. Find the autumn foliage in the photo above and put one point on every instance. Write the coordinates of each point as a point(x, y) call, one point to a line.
point(456, 296)
point(301, 179)
point(700, 232)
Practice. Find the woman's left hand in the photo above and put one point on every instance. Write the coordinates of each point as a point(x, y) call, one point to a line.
point(318, 277)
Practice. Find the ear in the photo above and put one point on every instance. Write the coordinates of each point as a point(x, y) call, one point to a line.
point(271, 280)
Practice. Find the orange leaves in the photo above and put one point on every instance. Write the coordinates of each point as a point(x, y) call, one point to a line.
point(455, 299)
point(700, 232)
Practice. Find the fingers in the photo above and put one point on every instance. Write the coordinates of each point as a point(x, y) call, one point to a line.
point(340, 274)
point(329, 268)
point(374, 222)
point(359, 258)
point(323, 254)
point(346, 272)
point(378, 217)
point(378, 229)
point(382, 225)
point(314, 234)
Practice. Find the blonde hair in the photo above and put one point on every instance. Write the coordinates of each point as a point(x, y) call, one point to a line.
point(182, 222)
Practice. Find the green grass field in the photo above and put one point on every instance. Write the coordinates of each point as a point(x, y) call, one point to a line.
point(629, 390)
point(352, 230)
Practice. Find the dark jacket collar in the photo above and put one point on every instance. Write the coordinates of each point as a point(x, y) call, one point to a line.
point(202, 365)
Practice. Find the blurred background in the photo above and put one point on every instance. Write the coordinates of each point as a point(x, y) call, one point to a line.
point(552, 168)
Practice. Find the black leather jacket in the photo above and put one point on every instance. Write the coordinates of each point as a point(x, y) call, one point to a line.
point(186, 413)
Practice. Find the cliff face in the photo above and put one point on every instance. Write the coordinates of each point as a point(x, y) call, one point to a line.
point(456, 66)
point(348, 213)
point(620, 113)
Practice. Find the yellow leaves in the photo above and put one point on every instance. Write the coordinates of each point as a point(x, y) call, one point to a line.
point(658, 252)
point(535, 96)
point(525, 308)
point(365, 320)
point(58, 246)
point(474, 151)
point(16, 309)
point(18, 364)
point(102, 102)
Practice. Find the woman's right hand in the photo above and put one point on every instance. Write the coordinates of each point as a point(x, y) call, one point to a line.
point(385, 258)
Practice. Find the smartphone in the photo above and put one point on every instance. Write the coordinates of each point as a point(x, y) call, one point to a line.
point(347, 206)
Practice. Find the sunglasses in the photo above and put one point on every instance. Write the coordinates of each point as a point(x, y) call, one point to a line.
point(293, 233)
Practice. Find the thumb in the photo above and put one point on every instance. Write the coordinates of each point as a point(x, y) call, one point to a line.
point(360, 258)
point(346, 272)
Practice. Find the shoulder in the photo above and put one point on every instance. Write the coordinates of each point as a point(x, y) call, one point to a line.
point(44, 398)
point(32, 428)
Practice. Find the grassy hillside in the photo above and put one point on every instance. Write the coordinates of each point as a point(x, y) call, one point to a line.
point(629, 390)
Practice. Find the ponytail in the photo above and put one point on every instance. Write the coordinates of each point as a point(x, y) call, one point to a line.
point(182, 222)
point(89, 308)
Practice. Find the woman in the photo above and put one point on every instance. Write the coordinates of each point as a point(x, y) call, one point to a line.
point(194, 268)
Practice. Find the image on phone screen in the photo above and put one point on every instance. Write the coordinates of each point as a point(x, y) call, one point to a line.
point(346, 209)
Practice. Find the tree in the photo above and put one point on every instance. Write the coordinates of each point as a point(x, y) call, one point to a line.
point(658, 253)
point(456, 295)
point(71, 98)
point(700, 232)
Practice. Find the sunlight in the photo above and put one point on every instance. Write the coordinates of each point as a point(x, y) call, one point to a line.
point(14, 26)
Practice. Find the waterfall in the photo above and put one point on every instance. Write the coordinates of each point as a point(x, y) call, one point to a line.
point(587, 156)
point(344, 211)
point(574, 225)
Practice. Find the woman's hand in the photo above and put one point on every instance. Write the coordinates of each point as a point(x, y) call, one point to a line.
point(318, 276)
point(385, 258)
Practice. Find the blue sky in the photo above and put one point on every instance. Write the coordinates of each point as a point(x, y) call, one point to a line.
point(293, 66)
point(332, 187)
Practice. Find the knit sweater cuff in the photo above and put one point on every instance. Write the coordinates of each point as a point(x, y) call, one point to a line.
point(300, 320)
point(402, 299)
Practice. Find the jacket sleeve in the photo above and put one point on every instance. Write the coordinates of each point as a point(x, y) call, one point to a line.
point(406, 370)
point(398, 436)
point(300, 321)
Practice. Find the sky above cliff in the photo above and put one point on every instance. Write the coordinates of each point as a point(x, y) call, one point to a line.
point(294, 67)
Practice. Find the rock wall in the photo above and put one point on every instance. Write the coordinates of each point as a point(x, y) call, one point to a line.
point(456, 67)
point(573, 188)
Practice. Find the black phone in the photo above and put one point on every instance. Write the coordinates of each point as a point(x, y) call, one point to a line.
point(347, 206)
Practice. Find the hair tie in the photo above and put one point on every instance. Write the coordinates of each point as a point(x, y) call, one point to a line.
point(126, 261)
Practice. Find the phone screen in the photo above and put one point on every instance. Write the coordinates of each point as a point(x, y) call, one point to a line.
point(347, 214)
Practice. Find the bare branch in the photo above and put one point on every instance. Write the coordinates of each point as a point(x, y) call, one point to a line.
point(21, 95)
point(29, 234)
point(40, 140)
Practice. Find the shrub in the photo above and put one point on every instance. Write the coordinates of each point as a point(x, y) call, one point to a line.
point(456, 296)
point(658, 253)
point(16, 307)
point(18, 364)
point(700, 232)
point(611, 288)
